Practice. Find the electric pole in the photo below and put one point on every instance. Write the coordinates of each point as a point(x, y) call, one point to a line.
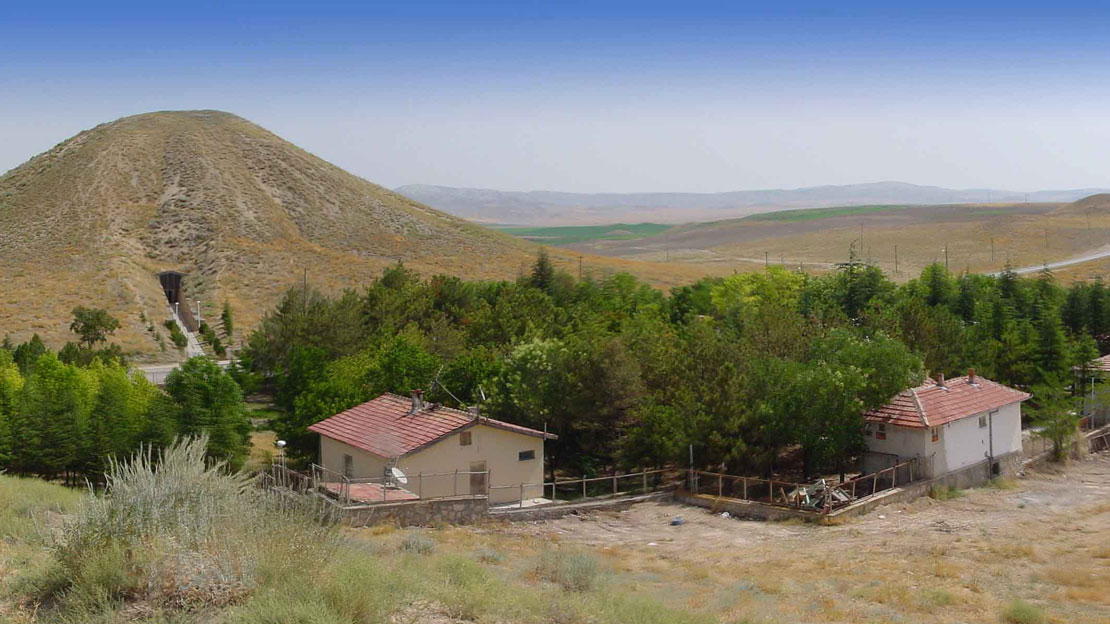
point(992, 250)
point(896, 259)
point(765, 259)
point(946, 256)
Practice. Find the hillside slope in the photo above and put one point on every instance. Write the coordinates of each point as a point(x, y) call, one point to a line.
point(243, 212)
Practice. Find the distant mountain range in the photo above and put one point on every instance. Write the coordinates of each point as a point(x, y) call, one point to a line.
point(552, 207)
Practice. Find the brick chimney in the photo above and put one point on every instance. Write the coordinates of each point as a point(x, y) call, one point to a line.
point(417, 400)
point(971, 377)
point(940, 381)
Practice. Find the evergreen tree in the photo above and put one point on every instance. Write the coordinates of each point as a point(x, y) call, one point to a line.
point(211, 403)
point(543, 272)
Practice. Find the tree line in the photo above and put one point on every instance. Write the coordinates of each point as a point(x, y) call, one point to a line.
point(740, 368)
point(64, 415)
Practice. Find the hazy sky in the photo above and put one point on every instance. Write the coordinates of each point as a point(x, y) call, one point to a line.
point(577, 96)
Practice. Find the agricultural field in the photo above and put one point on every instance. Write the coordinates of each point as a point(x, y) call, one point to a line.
point(567, 235)
point(900, 239)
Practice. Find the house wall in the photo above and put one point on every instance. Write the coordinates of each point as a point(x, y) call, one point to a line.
point(498, 448)
point(966, 443)
point(366, 465)
point(905, 442)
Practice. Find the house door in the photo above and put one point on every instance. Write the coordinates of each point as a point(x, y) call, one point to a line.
point(478, 481)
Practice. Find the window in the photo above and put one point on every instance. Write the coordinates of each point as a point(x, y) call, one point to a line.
point(867, 430)
point(464, 439)
point(881, 435)
point(936, 434)
point(983, 421)
point(348, 466)
point(526, 455)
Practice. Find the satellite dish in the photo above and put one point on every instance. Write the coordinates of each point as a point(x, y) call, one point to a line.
point(398, 475)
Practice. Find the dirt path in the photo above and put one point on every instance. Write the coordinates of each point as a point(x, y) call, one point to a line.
point(1044, 539)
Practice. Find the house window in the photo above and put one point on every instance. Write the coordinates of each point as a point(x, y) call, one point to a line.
point(867, 430)
point(348, 466)
point(464, 439)
point(983, 421)
point(936, 434)
point(526, 455)
point(881, 434)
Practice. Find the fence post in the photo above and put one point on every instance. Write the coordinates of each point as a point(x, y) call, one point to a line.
point(583, 488)
point(874, 483)
point(521, 494)
point(771, 491)
point(554, 484)
point(720, 485)
point(614, 483)
point(456, 493)
point(645, 481)
point(745, 488)
point(489, 481)
point(420, 485)
point(893, 477)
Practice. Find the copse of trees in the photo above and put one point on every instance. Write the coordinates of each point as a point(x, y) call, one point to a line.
point(740, 368)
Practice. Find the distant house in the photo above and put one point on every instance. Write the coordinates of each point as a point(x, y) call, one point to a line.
point(950, 424)
point(422, 438)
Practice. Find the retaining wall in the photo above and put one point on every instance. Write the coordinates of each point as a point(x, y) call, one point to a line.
point(452, 510)
point(558, 510)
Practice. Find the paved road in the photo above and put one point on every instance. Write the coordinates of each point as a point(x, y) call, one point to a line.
point(157, 373)
point(1101, 252)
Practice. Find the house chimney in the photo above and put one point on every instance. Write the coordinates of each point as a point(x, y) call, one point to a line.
point(473, 411)
point(971, 377)
point(940, 381)
point(417, 400)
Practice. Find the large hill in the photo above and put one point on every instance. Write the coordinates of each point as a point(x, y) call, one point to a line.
point(241, 211)
point(558, 208)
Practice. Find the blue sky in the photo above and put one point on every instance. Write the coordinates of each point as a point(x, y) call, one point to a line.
point(631, 96)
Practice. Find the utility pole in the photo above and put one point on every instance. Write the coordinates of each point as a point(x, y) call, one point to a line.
point(946, 256)
point(765, 259)
point(992, 250)
point(579, 267)
point(896, 259)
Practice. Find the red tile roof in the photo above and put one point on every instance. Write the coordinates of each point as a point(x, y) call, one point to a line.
point(930, 405)
point(386, 427)
point(1099, 364)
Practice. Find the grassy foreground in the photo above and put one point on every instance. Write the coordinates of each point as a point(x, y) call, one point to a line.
point(174, 541)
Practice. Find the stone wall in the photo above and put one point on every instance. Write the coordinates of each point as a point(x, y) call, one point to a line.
point(452, 510)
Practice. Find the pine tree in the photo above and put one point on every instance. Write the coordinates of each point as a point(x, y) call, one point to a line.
point(543, 272)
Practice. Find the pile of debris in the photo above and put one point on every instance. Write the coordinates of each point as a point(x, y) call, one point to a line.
point(817, 497)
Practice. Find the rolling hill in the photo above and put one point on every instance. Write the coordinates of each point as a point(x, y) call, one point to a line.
point(558, 208)
point(241, 211)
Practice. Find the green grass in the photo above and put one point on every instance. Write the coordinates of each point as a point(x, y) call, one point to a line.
point(814, 214)
point(943, 492)
point(572, 234)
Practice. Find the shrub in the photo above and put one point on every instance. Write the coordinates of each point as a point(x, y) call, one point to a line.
point(174, 531)
point(417, 543)
point(489, 555)
point(571, 571)
point(1021, 612)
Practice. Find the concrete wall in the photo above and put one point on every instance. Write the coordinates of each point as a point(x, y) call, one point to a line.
point(497, 447)
point(905, 442)
point(456, 510)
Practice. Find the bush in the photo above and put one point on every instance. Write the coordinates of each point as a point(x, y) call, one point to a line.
point(176, 336)
point(1021, 612)
point(571, 571)
point(417, 543)
point(175, 532)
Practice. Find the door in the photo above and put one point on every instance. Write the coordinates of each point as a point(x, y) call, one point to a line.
point(478, 481)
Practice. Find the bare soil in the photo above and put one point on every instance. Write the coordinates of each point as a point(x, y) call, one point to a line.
point(1044, 539)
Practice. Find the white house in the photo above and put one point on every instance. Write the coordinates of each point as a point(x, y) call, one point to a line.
point(424, 439)
point(950, 424)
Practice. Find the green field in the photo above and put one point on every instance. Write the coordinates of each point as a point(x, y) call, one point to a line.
point(813, 214)
point(571, 234)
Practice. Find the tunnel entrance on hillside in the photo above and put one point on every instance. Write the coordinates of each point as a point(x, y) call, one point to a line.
point(171, 285)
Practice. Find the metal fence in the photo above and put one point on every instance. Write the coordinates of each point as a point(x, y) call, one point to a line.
point(346, 490)
point(594, 487)
point(822, 496)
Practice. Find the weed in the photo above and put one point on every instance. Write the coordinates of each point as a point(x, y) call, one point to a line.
point(937, 598)
point(417, 543)
point(489, 555)
point(1021, 612)
point(571, 571)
